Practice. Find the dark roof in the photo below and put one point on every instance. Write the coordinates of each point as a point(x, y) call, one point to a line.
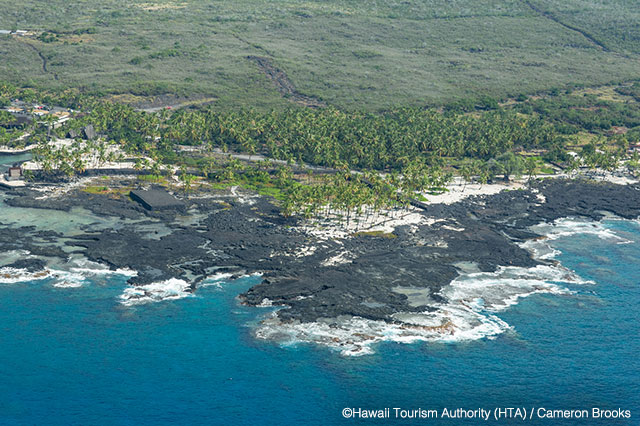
point(155, 199)
point(18, 121)
point(89, 132)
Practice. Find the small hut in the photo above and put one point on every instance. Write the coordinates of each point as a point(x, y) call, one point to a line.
point(14, 173)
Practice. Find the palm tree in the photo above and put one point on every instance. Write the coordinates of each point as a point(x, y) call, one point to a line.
point(187, 180)
point(531, 165)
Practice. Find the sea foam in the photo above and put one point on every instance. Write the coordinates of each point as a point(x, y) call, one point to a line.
point(170, 289)
point(567, 227)
point(215, 280)
point(75, 277)
point(10, 275)
point(86, 267)
point(473, 301)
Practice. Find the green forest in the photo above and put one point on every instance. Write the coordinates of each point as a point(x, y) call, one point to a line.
point(380, 159)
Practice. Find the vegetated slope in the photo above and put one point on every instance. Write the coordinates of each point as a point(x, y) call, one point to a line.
point(614, 24)
point(363, 53)
point(554, 18)
point(283, 84)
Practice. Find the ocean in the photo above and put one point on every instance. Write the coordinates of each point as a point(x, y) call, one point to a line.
point(84, 354)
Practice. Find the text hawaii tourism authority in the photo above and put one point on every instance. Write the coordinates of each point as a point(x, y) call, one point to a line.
point(417, 413)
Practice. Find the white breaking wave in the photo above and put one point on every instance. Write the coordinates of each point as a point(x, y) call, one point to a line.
point(473, 299)
point(87, 267)
point(170, 289)
point(215, 280)
point(469, 314)
point(540, 249)
point(60, 278)
point(75, 273)
point(16, 275)
point(567, 227)
point(76, 277)
point(496, 291)
point(65, 279)
point(355, 336)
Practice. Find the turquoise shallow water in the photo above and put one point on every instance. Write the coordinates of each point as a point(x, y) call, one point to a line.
point(7, 161)
point(76, 356)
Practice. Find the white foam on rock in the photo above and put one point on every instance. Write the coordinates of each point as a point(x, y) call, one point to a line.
point(16, 275)
point(355, 336)
point(266, 303)
point(567, 227)
point(496, 291)
point(469, 313)
point(215, 280)
point(170, 289)
point(78, 274)
point(89, 268)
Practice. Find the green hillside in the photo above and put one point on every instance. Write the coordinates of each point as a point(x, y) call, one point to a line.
point(352, 54)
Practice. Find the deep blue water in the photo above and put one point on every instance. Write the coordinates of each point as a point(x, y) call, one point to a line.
point(76, 356)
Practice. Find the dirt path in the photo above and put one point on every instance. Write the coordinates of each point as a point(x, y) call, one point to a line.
point(552, 17)
point(278, 77)
point(176, 105)
point(43, 59)
point(283, 84)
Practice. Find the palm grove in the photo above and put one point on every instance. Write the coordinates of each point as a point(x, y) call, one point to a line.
point(378, 160)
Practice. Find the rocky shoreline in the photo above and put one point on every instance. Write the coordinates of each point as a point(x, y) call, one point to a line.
point(364, 276)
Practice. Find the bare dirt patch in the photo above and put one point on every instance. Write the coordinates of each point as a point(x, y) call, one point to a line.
point(161, 6)
point(282, 83)
point(156, 103)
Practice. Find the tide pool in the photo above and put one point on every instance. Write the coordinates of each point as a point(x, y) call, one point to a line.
point(78, 356)
point(7, 161)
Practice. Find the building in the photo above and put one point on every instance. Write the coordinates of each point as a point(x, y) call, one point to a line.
point(59, 118)
point(156, 199)
point(19, 120)
point(14, 173)
point(88, 132)
point(40, 112)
